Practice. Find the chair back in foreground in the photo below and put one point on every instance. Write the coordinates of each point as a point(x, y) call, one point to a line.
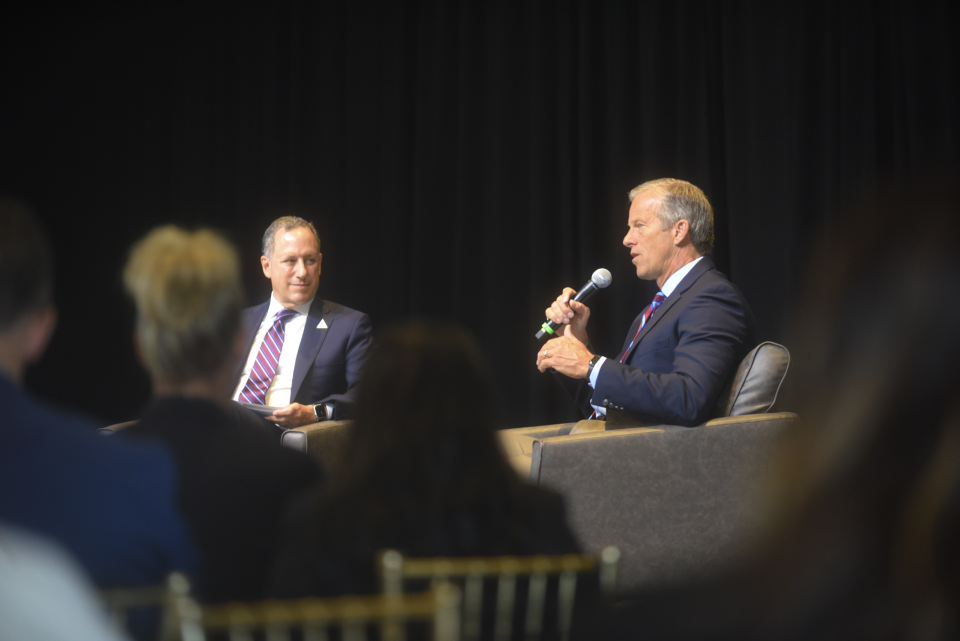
point(505, 571)
point(116, 427)
point(313, 619)
point(121, 602)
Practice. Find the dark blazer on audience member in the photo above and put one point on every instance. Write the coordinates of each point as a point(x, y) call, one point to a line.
point(340, 559)
point(234, 486)
point(329, 360)
point(682, 359)
point(111, 503)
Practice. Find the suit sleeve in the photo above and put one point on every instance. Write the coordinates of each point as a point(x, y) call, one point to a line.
point(680, 386)
point(357, 346)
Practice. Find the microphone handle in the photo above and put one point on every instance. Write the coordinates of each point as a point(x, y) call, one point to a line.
point(585, 292)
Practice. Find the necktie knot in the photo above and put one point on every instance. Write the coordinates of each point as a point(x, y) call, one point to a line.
point(285, 314)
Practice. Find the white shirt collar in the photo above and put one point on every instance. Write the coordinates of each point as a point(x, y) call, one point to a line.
point(677, 276)
point(275, 307)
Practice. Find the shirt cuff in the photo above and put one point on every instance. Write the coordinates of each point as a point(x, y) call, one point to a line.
point(596, 371)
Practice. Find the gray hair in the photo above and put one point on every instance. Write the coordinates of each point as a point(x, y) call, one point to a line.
point(187, 290)
point(286, 223)
point(680, 200)
point(26, 264)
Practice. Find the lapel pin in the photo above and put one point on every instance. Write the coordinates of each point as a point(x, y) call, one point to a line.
point(322, 325)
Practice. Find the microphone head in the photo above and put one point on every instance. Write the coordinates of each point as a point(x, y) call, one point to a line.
point(601, 278)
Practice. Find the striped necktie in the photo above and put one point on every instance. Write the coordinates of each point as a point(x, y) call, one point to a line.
point(265, 367)
point(659, 298)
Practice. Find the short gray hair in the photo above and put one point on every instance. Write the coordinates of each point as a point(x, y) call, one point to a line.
point(188, 294)
point(286, 223)
point(681, 200)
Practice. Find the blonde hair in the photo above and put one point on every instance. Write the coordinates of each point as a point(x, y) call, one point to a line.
point(186, 287)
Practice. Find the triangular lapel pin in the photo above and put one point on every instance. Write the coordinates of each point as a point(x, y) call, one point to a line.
point(322, 325)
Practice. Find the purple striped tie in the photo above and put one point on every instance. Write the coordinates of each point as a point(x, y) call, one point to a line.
point(659, 298)
point(264, 368)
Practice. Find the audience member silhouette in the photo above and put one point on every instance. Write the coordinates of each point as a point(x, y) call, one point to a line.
point(422, 473)
point(109, 503)
point(234, 483)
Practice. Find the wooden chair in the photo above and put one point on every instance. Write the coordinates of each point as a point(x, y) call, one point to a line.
point(394, 569)
point(314, 618)
point(167, 599)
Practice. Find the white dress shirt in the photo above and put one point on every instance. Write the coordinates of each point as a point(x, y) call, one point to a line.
point(278, 394)
point(667, 289)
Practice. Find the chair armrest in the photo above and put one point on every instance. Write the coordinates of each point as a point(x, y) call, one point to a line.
point(678, 502)
point(540, 431)
point(324, 441)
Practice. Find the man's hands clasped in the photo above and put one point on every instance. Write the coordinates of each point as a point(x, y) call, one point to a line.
point(567, 354)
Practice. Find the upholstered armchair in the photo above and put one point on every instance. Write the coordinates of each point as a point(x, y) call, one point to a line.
point(679, 502)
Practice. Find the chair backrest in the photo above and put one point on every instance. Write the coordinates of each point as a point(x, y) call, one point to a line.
point(394, 569)
point(116, 427)
point(754, 387)
point(314, 618)
point(120, 602)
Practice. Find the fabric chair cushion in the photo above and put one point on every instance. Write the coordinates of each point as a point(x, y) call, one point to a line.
point(758, 379)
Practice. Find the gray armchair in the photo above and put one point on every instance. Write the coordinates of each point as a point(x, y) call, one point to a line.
point(679, 502)
point(323, 441)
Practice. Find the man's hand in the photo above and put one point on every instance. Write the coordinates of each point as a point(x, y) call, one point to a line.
point(566, 354)
point(294, 415)
point(572, 313)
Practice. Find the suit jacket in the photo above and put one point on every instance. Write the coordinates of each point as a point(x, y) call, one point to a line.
point(683, 358)
point(329, 361)
point(233, 486)
point(111, 503)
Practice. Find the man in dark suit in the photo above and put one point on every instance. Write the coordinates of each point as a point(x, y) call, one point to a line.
point(683, 348)
point(303, 354)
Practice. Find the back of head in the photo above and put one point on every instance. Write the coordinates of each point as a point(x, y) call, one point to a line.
point(187, 290)
point(873, 475)
point(26, 264)
point(425, 467)
point(425, 395)
point(681, 200)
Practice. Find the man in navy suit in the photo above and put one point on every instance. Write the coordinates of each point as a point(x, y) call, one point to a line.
point(307, 361)
point(685, 345)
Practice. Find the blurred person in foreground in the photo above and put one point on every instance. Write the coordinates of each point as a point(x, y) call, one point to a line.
point(425, 474)
point(109, 503)
point(45, 595)
point(864, 497)
point(234, 482)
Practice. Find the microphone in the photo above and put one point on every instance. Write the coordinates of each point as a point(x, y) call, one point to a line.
point(600, 279)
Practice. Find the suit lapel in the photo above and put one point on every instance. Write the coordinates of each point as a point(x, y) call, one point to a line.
point(698, 270)
point(310, 343)
point(250, 322)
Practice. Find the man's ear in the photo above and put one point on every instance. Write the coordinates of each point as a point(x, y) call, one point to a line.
point(37, 333)
point(265, 263)
point(681, 230)
point(319, 262)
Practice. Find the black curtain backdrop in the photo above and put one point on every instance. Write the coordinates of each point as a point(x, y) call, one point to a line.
point(460, 159)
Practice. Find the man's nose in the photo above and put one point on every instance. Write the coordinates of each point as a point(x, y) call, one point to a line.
point(627, 241)
point(301, 268)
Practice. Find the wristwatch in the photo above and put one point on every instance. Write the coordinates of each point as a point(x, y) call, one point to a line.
point(593, 361)
point(320, 410)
